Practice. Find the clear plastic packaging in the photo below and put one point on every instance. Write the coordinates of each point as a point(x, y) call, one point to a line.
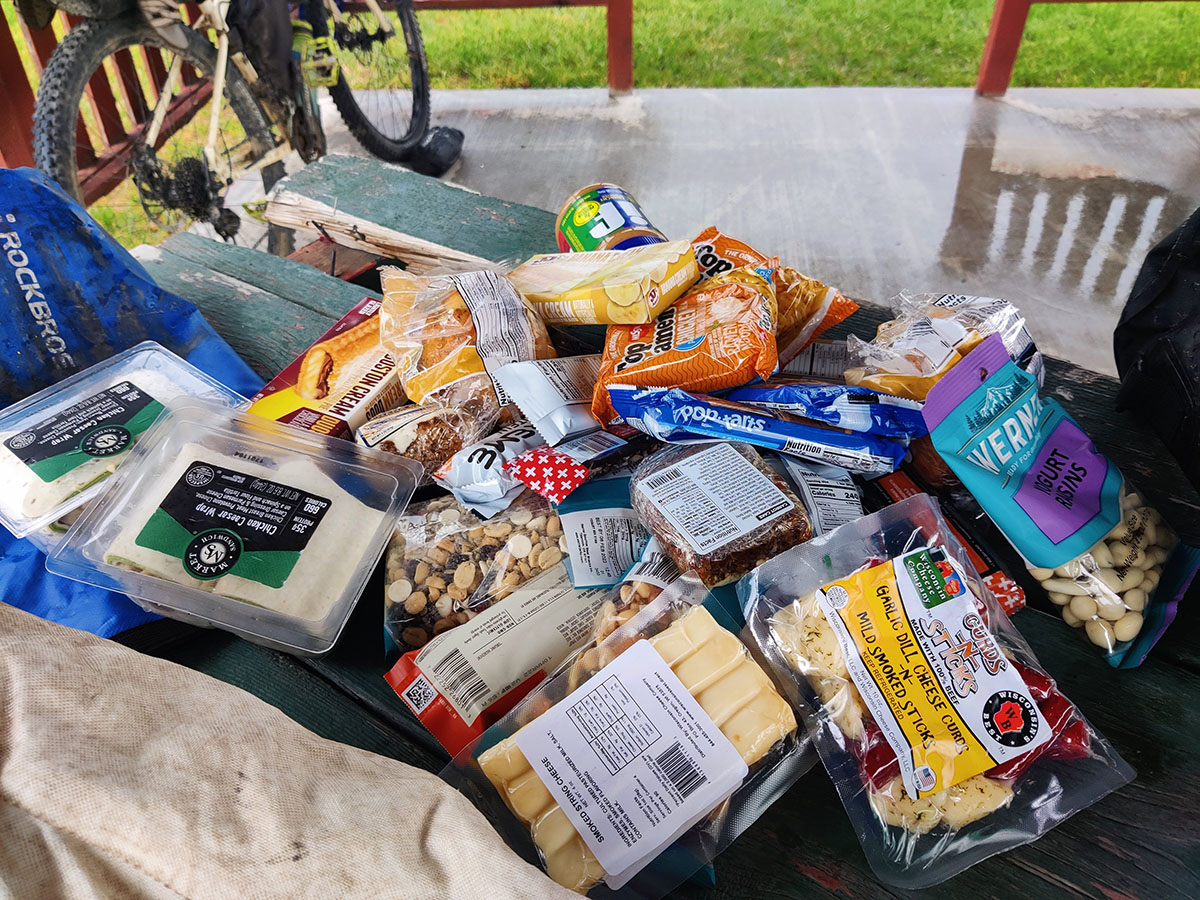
point(59, 445)
point(702, 810)
point(717, 509)
point(448, 332)
point(445, 566)
point(428, 435)
point(1099, 550)
point(938, 669)
point(224, 519)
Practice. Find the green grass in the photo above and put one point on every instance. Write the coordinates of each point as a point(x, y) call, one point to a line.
point(800, 43)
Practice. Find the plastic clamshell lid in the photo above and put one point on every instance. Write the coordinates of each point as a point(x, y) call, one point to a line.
point(45, 470)
point(223, 518)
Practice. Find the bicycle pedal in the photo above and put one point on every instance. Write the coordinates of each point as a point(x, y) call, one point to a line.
point(318, 63)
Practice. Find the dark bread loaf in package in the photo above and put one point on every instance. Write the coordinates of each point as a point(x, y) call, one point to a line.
point(717, 509)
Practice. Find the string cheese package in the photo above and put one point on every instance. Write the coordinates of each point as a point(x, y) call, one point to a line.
point(946, 740)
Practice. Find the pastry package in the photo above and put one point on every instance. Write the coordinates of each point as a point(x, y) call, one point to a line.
point(605, 287)
point(445, 566)
point(717, 509)
point(339, 382)
point(225, 519)
point(807, 307)
point(852, 407)
point(928, 337)
point(1105, 557)
point(550, 775)
point(58, 446)
point(720, 334)
point(946, 740)
point(449, 333)
point(677, 416)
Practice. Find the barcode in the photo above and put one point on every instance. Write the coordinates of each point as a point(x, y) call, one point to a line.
point(678, 768)
point(590, 446)
point(663, 478)
point(655, 568)
point(459, 681)
point(419, 694)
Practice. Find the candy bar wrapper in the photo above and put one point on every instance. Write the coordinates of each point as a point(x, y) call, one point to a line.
point(841, 405)
point(475, 475)
point(554, 394)
point(677, 416)
point(1100, 551)
point(554, 472)
point(946, 740)
point(669, 662)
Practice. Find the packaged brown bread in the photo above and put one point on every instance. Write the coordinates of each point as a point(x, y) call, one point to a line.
point(717, 509)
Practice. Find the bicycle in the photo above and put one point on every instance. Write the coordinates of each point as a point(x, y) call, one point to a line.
point(261, 100)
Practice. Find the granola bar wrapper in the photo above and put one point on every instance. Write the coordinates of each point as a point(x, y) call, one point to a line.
point(448, 333)
point(721, 334)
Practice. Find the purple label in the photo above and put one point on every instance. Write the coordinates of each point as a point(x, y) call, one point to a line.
point(1061, 491)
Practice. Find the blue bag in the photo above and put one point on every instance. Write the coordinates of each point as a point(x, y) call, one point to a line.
point(71, 297)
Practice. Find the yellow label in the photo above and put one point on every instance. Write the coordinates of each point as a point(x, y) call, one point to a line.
point(932, 676)
point(455, 367)
point(585, 213)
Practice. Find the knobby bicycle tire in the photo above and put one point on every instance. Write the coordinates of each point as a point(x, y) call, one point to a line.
point(81, 53)
point(356, 119)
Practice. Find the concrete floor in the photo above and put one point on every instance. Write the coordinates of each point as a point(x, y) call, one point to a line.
point(1050, 198)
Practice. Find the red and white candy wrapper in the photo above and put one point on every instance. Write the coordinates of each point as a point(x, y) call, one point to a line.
point(548, 471)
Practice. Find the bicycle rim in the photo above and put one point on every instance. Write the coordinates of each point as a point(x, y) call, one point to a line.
point(382, 91)
point(133, 60)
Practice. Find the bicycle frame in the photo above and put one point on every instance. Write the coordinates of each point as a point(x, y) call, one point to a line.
point(213, 15)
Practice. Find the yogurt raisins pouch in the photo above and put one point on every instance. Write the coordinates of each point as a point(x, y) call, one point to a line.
point(1105, 557)
point(946, 740)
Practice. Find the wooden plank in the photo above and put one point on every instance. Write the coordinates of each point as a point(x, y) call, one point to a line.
point(1000, 49)
point(493, 4)
point(104, 104)
point(441, 214)
point(265, 330)
point(301, 284)
point(131, 87)
point(16, 106)
point(156, 63)
point(346, 263)
point(620, 47)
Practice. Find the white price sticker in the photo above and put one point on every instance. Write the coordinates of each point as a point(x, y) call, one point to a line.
point(633, 760)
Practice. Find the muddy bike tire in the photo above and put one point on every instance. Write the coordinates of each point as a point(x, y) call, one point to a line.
point(372, 123)
point(83, 51)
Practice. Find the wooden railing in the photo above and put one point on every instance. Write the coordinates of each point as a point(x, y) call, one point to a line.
point(118, 102)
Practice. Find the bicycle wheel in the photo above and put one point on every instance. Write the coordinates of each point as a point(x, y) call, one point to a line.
point(382, 91)
point(171, 184)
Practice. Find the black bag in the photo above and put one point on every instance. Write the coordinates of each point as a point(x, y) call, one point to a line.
point(1157, 345)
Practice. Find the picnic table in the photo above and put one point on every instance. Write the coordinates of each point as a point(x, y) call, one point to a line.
point(1141, 842)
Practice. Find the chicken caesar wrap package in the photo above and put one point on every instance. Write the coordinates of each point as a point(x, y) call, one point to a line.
point(707, 743)
point(223, 518)
point(58, 445)
point(946, 740)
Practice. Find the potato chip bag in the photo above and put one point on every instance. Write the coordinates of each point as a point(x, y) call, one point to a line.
point(720, 334)
point(807, 307)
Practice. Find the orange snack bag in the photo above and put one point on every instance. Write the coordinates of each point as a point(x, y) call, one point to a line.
point(807, 307)
point(720, 334)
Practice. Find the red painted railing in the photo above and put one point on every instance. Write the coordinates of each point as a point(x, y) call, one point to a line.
point(113, 100)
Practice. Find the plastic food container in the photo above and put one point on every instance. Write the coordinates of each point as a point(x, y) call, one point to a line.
point(58, 445)
point(221, 518)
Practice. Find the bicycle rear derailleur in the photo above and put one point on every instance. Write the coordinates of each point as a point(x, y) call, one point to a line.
point(187, 186)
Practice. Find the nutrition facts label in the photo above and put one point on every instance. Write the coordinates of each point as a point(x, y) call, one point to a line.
point(715, 497)
point(613, 724)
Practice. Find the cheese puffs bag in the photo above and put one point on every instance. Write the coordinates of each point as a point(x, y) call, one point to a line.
point(644, 756)
point(946, 740)
point(720, 334)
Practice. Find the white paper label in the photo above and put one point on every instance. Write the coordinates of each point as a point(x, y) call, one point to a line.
point(533, 629)
point(590, 447)
point(602, 544)
point(654, 567)
point(502, 331)
point(715, 497)
point(572, 378)
point(633, 760)
point(821, 359)
point(828, 493)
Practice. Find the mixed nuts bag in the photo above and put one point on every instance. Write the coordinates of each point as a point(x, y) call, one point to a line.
point(945, 739)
